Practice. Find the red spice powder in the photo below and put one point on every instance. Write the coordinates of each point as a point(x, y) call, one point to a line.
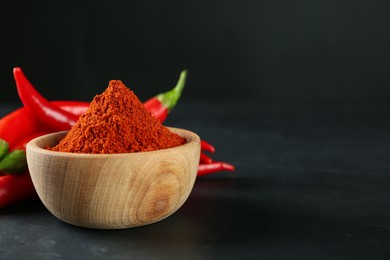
point(117, 122)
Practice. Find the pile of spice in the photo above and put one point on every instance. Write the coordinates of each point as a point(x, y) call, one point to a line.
point(117, 122)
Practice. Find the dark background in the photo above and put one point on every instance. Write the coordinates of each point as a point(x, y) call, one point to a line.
point(264, 51)
point(311, 181)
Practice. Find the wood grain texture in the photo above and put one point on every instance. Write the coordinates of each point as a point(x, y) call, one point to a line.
point(112, 191)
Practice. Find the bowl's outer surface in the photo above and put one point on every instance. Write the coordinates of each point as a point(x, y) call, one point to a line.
point(112, 191)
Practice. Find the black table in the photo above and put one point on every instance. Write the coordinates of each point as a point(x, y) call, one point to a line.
point(312, 182)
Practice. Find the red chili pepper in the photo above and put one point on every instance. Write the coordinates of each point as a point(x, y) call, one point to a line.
point(18, 124)
point(205, 146)
point(15, 188)
point(209, 168)
point(75, 107)
point(53, 116)
point(21, 123)
point(161, 105)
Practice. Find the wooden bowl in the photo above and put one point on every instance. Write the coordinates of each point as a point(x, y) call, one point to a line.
point(112, 191)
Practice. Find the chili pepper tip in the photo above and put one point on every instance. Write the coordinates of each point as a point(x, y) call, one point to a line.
point(228, 167)
point(205, 146)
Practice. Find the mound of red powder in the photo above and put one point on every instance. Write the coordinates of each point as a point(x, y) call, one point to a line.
point(117, 122)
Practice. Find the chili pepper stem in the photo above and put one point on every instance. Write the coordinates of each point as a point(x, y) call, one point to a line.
point(170, 98)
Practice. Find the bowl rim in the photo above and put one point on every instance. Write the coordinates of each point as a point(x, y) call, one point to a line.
point(32, 145)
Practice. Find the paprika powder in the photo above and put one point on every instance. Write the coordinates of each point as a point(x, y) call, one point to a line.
point(117, 122)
